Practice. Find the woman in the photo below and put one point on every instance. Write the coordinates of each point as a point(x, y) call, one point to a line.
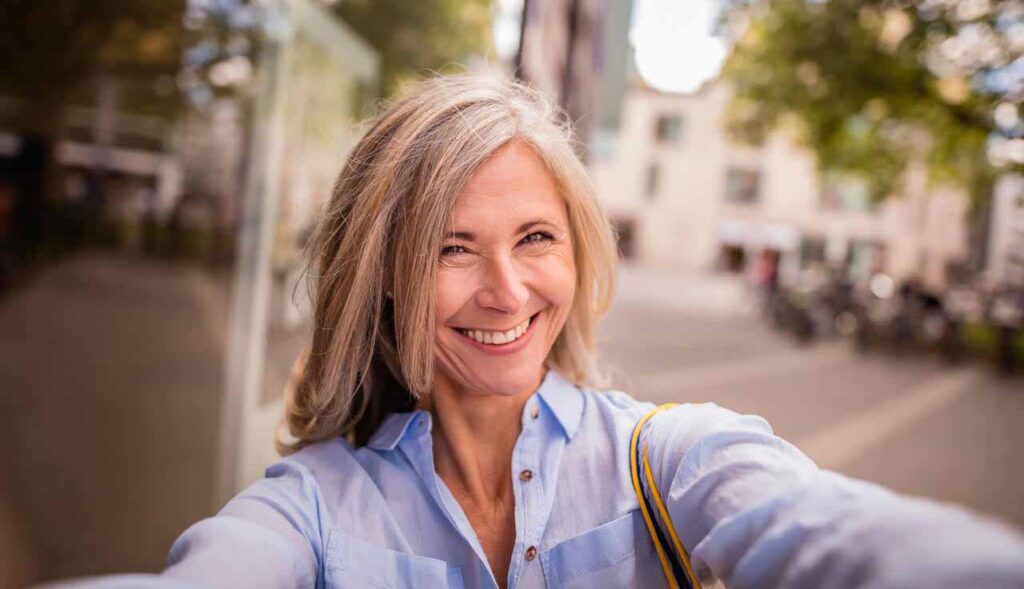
point(445, 432)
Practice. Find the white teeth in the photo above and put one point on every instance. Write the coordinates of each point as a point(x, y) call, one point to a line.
point(498, 337)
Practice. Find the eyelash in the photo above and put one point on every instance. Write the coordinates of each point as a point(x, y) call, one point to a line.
point(544, 236)
point(452, 250)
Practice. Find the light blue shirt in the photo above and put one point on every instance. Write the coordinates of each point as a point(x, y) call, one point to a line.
point(749, 508)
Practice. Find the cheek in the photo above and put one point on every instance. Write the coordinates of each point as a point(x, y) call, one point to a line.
point(557, 282)
point(451, 292)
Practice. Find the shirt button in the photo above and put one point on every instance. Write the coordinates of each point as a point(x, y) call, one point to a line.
point(534, 412)
point(531, 553)
point(526, 475)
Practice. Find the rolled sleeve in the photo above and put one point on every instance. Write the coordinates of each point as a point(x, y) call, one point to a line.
point(752, 510)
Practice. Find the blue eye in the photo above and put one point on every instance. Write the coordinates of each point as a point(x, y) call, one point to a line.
point(537, 237)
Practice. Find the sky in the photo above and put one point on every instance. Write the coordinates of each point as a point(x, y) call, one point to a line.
point(675, 51)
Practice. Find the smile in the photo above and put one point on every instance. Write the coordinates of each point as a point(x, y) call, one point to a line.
point(497, 338)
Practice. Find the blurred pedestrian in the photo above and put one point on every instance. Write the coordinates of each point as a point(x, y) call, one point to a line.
point(74, 209)
point(148, 205)
point(7, 263)
point(177, 226)
point(766, 277)
point(28, 213)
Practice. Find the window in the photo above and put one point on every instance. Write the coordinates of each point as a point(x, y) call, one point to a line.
point(652, 180)
point(812, 250)
point(846, 193)
point(742, 186)
point(668, 128)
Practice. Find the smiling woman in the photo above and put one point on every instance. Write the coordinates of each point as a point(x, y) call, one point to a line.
point(487, 160)
point(446, 432)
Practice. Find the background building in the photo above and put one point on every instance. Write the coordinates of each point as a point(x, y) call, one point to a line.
point(683, 194)
point(576, 52)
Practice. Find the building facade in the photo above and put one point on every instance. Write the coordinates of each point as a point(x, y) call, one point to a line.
point(577, 53)
point(557, 51)
point(682, 194)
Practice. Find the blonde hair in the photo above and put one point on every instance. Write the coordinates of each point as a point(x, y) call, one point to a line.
point(374, 255)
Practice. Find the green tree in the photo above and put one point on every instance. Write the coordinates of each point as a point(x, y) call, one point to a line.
point(414, 38)
point(869, 84)
point(51, 49)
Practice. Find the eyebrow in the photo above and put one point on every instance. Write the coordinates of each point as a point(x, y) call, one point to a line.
point(470, 236)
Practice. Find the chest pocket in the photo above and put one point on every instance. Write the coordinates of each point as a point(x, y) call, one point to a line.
point(616, 554)
point(353, 563)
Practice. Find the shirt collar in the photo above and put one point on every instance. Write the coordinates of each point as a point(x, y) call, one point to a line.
point(559, 394)
point(564, 399)
point(393, 429)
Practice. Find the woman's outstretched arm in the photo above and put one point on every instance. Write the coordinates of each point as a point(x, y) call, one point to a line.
point(753, 511)
point(267, 536)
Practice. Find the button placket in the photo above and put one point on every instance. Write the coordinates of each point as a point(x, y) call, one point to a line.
point(529, 495)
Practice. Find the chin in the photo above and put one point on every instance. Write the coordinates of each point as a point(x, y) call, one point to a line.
point(495, 379)
point(512, 381)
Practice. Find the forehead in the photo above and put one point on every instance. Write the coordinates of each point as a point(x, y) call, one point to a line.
point(514, 183)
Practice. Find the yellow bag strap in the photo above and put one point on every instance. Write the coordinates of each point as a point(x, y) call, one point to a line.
point(675, 563)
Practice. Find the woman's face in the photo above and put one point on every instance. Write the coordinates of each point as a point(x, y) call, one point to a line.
point(507, 277)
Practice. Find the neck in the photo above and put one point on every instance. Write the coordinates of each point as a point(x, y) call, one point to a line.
point(473, 437)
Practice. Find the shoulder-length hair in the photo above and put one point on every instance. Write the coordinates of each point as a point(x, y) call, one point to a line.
point(375, 253)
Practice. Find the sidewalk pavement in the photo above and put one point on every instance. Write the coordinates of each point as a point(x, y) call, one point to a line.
point(711, 294)
point(112, 379)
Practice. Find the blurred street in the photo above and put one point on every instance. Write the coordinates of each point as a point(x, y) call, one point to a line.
point(81, 337)
point(907, 422)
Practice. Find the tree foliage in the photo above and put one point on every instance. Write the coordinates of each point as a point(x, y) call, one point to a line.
point(870, 84)
point(414, 38)
point(51, 48)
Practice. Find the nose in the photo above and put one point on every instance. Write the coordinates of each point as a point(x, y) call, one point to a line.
point(503, 288)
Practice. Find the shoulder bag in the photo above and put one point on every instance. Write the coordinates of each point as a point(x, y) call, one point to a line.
point(674, 560)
